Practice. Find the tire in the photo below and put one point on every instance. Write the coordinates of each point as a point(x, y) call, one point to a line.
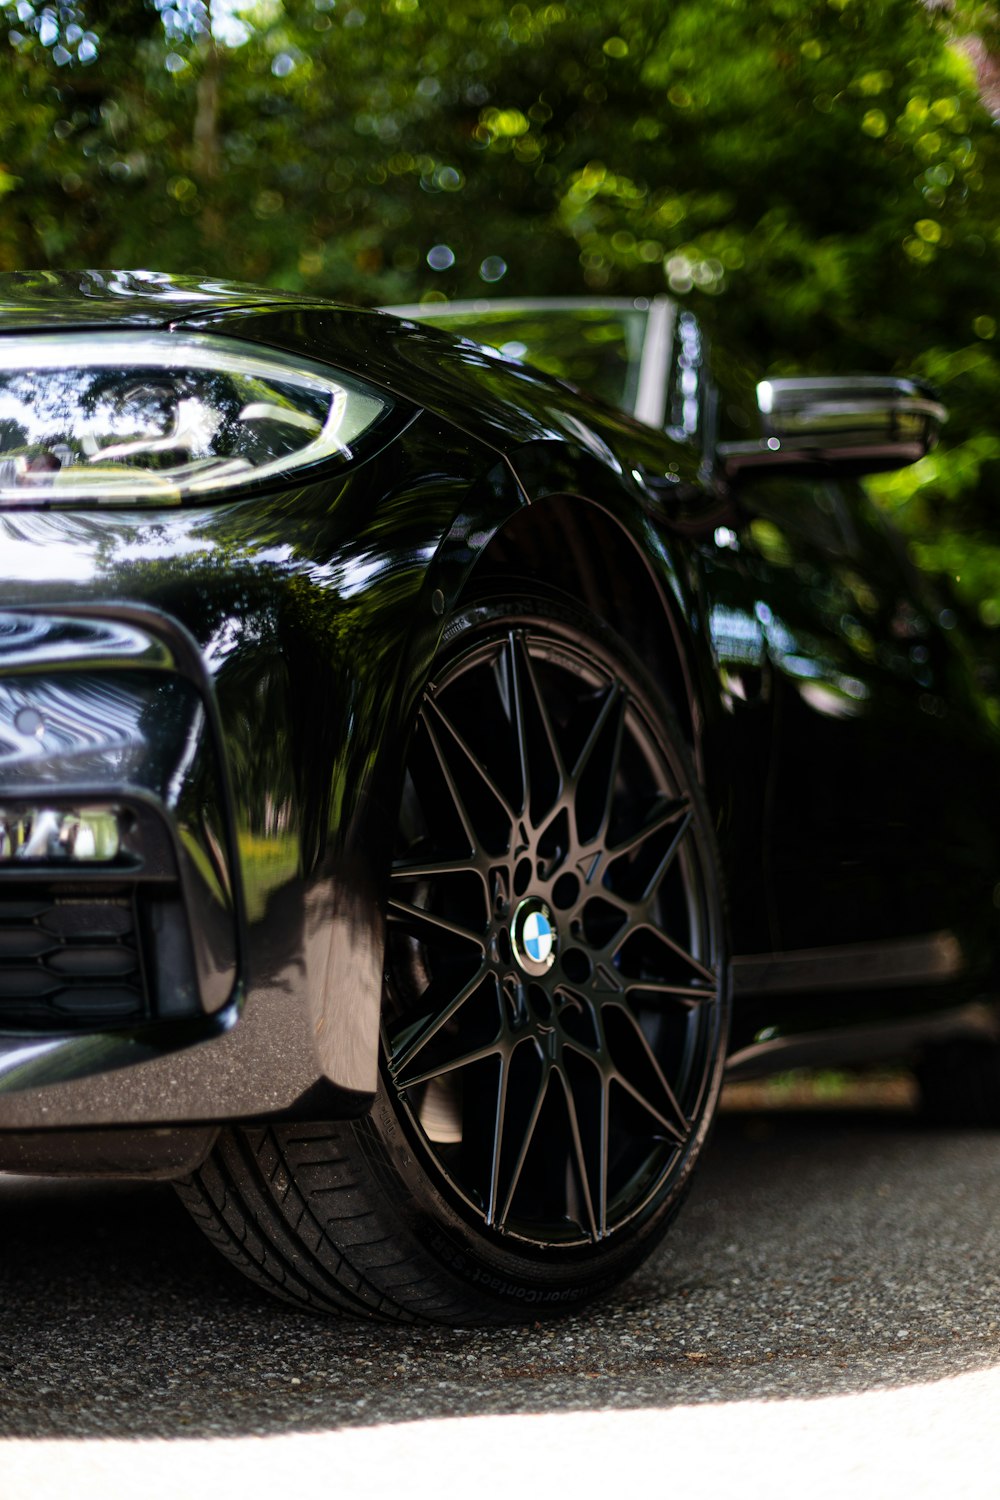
point(555, 1008)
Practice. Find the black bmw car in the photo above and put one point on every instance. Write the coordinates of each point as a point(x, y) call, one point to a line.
point(421, 782)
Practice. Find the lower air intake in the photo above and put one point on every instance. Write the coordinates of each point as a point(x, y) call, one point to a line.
point(69, 961)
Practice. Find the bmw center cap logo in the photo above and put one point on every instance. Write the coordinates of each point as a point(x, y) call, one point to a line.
point(533, 933)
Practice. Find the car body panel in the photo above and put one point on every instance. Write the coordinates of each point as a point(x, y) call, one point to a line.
point(316, 609)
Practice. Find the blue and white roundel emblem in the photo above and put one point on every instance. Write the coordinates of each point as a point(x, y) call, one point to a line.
point(534, 935)
point(537, 936)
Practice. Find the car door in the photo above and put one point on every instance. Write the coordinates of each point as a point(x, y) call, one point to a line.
point(881, 806)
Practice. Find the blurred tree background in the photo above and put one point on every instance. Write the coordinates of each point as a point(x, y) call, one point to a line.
point(818, 179)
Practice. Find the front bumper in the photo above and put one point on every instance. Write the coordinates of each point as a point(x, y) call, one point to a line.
point(122, 980)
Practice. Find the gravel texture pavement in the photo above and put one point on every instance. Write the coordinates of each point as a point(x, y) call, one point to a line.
point(821, 1255)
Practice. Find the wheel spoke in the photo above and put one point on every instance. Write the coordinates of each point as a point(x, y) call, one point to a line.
point(661, 1078)
point(598, 1068)
point(452, 1065)
point(689, 996)
point(581, 1163)
point(473, 761)
point(529, 1131)
point(661, 818)
point(613, 699)
point(655, 880)
point(398, 1062)
point(668, 942)
point(543, 714)
point(452, 785)
point(496, 1150)
point(677, 1136)
point(432, 868)
point(602, 1196)
point(416, 916)
point(516, 681)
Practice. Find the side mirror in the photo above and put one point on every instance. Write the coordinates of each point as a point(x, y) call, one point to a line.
point(860, 423)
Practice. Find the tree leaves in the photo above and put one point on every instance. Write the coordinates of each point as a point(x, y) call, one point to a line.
point(819, 179)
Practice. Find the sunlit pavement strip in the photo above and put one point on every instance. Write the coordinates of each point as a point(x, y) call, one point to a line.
point(913, 1441)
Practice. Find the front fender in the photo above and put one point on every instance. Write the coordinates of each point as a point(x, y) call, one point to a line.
point(313, 615)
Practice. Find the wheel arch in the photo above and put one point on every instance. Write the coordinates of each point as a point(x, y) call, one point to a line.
point(575, 547)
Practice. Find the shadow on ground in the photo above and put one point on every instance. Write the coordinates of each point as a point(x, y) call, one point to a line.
point(819, 1253)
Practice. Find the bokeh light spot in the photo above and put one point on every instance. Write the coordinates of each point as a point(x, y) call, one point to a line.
point(493, 268)
point(440, 257)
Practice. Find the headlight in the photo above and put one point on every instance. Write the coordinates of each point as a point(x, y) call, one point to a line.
point(109, 418)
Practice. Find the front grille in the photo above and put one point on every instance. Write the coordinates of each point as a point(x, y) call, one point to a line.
point(70, 959)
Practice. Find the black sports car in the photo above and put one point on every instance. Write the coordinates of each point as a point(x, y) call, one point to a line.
point(396, 743)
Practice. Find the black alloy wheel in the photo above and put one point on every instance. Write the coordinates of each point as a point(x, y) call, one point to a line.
point(556, 982)
point(555, 1009)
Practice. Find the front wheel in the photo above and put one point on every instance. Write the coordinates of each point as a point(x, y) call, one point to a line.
point(555, 1010)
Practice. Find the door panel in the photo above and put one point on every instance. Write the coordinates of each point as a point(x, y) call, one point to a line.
point(881, 819)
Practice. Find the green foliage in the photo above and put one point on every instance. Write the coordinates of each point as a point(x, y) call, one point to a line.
point(819, 178)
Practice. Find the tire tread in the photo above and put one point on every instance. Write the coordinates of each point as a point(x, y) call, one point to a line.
point(280, 1219)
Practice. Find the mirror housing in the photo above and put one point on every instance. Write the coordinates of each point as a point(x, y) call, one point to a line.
point(860, 423)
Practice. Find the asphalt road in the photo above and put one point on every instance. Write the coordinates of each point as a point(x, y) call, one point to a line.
point(821, 1256)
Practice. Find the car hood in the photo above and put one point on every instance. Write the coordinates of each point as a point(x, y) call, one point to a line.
point(144, 299)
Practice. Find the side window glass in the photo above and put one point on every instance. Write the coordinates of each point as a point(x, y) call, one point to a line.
point(597, 349)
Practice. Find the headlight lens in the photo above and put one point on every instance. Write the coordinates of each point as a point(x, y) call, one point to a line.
point(159, 417)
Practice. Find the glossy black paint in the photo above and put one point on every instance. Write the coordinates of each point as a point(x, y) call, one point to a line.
point(128, 717)
point(832, 716)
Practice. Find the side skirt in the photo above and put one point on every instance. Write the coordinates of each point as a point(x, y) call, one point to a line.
point(932, 960)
